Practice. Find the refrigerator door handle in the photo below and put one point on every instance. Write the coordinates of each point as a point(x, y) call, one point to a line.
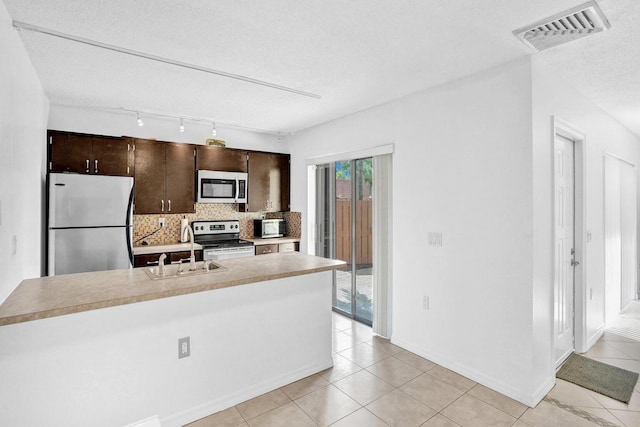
point(237, 189)
point(129, 226)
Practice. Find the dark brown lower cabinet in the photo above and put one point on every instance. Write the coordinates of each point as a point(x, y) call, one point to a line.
point(273, 248)
point(266, 249)
point(150, 260)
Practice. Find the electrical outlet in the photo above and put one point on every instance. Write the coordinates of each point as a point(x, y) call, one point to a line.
point(184, 347)
point(434, 239)
point(161, 222)
point(425, 302)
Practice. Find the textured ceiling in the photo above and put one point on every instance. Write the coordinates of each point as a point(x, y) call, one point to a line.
point(355, 54)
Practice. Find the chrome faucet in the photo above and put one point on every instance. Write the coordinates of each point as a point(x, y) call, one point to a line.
point(161, 264)
point(192, 258)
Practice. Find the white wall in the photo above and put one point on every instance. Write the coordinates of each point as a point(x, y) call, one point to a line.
point(473, 160)
point(114, 366)
point(552, 96)
point(463, 167)
point(123, 123)
point(23, 118)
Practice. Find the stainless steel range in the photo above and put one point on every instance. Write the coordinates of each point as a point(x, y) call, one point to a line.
point(221, 240)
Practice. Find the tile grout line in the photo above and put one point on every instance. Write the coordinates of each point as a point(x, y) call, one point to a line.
point(580, 413)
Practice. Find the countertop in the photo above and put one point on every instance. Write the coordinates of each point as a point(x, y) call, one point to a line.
point(73, 293)
point(158, 249)
point(273, 240)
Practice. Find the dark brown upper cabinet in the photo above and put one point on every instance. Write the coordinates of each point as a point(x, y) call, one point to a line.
point(164, 177)
point(221, 159)
point(268, 182)
point(90, 154)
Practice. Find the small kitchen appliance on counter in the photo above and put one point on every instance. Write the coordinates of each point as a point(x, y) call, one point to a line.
point(268, 228)
point(221, 240)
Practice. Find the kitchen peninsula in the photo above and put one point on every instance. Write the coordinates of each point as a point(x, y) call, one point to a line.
point(102, 348)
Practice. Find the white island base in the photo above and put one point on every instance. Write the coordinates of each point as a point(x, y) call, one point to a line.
point(115, 366)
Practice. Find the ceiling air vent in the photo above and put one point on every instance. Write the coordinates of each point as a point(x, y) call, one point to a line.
point(564, 27)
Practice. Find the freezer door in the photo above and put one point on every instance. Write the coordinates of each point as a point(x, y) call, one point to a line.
point(88, 200)
point(78, 250)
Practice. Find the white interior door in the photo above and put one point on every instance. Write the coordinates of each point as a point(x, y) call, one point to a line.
point(620, 236)
point(564, 277)
point(628, 239)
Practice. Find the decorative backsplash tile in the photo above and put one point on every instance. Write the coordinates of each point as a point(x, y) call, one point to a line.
point(146, 227)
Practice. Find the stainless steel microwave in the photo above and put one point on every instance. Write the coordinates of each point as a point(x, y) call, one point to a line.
point(266, 228)
point(222, 187)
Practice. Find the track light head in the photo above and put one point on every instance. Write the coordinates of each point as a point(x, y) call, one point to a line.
point(214, 132)
point(181, 128)
point(140, 122)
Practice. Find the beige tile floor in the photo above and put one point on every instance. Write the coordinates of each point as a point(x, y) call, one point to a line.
point(375, 383)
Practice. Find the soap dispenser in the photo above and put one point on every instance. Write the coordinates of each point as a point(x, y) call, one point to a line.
point(184, 224)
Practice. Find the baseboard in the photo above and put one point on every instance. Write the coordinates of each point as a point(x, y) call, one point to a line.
point(223, 402)
point(479, 377)
point(542, 391)
point(594, 338)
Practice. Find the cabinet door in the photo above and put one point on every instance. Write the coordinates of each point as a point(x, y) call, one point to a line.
point(176, 257)
point(147, 260)
point(180, 178)
point(149, 177)
point(260, 165)
point(110, 156)
point(287, 247)
point(69, 152)
point(221, 159)
point(266, 249)
point(284, 167)
point(268, 182)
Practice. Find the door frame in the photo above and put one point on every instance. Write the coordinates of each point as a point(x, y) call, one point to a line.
point(568, 131)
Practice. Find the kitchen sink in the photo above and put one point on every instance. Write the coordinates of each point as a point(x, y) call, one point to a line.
point(171, 271)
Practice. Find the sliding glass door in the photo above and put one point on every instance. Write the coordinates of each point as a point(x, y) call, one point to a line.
point(345, 222)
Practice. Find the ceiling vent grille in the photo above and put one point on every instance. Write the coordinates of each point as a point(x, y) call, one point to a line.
point(564, 27)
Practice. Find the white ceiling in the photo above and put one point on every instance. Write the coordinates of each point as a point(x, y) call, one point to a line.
point(355, 54)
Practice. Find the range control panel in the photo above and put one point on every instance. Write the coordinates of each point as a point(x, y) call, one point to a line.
point(215, 227)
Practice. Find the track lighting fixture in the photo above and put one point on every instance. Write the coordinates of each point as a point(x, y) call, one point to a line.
point(200, 121)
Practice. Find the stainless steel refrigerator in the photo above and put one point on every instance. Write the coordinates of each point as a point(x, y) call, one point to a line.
point(90, 223)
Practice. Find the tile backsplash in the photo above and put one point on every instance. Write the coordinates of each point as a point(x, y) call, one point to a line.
point(146, 227)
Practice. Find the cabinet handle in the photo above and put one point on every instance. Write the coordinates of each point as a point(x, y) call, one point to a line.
point(87, 165)
point(162, 206)
point(169, 205)
point(153, 262)
point(96, 166)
